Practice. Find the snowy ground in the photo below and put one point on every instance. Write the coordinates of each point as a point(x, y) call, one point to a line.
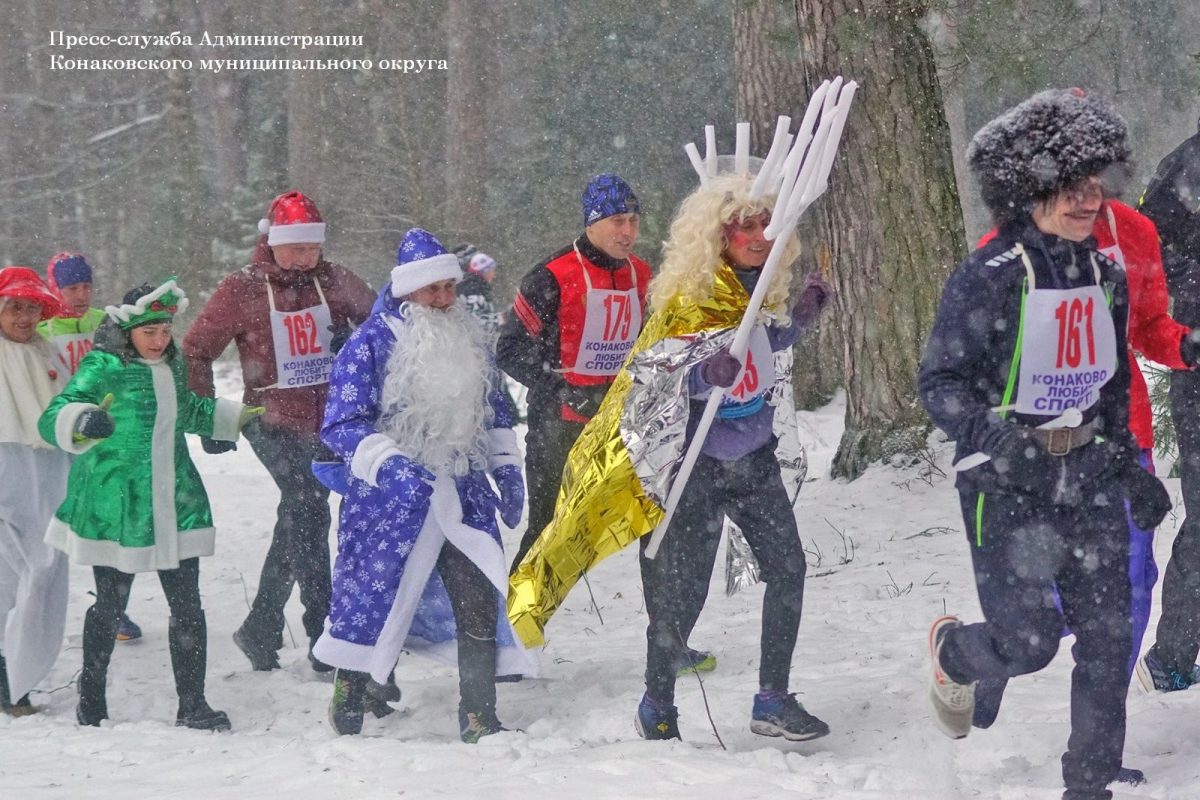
point(860, 665)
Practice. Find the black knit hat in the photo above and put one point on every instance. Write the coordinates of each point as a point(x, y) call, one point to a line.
point(1046, 143)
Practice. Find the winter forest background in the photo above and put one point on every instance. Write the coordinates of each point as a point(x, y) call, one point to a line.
point(153, 172)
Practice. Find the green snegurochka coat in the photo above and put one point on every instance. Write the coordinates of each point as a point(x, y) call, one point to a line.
point(135, 501)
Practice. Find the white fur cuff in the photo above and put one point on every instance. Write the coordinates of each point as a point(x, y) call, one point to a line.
point(369, 456)
point(64, 427)
point(225, 420)
point(502, 448)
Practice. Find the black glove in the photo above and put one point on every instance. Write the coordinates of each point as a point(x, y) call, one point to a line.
point(1189, 349)
point(580, 400)
point(1149, 500)
point(95, 424)
point(214, 447)
point(1022, 462)
point(341, 333)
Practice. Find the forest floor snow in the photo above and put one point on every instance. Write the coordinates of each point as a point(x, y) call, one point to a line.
point(887, 555)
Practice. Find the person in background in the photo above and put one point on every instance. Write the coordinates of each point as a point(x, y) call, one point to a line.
point(1037, 399)
point(70, 278)
point(1172, 202)
point(33, 575)
point(287, 312)
point(573, 320)
point(475, 291)
point(135, 502)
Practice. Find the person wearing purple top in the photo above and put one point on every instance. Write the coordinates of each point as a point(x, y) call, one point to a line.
point(712, 260)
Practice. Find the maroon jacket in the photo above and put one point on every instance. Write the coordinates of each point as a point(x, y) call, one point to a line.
point(239, 311)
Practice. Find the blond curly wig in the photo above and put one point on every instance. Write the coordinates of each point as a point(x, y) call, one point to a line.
point(695, 243)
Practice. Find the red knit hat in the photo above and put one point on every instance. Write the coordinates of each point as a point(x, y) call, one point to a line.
point(25, 284)
point(292, 219)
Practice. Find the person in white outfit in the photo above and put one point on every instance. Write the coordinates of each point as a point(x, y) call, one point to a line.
point(33, 575)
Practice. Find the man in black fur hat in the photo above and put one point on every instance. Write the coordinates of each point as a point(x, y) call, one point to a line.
point(1025, 368)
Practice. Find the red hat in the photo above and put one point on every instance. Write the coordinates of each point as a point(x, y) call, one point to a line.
point(292, 219)
point(25, 284)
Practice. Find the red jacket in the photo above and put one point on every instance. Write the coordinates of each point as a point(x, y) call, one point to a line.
point(1130, 238)
point(239, 311)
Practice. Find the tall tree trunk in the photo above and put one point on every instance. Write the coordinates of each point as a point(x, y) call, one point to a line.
point(469, 53)
point(890, 227)
point(771, 82)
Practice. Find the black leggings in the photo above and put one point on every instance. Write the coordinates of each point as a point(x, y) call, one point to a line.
point(750, 492)
point(475, 603)
point(299, 551)
point(181, 587)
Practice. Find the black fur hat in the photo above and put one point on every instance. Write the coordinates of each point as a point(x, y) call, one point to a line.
point(1044, 144)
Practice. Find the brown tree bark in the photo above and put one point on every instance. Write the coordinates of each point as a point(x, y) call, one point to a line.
point(469, 53)
point(890, 227)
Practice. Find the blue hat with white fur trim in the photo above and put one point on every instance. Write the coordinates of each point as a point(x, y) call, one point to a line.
point(420, 261)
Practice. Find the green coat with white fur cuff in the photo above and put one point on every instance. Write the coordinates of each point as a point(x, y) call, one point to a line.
point(135, 501)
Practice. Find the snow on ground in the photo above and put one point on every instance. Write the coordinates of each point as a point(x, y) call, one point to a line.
point(861, 665)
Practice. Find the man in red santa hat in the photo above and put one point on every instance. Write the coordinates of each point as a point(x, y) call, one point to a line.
point(288, 311)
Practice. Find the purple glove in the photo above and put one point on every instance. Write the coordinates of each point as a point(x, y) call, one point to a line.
point(401, 477)
point(814, 296)
point(512, 493)
point(721, 369)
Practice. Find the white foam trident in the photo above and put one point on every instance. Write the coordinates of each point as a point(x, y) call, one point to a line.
point(796, 170)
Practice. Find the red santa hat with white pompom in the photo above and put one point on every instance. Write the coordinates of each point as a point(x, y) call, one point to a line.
point(292, 219)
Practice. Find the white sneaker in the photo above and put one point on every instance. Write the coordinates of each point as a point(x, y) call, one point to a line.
point(952, 704)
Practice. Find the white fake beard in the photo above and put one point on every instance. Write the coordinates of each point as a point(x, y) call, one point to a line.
point(434, 400)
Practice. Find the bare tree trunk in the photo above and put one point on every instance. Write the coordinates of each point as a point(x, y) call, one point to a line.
point(890, 228)
point(469, 54)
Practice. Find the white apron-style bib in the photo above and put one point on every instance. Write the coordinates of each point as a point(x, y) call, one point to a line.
point(611, 325)
point(1068, 347)
point(71, 348)
point(302, 353)
point(750, 387)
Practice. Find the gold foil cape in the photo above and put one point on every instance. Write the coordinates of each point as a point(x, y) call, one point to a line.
point(618, 473)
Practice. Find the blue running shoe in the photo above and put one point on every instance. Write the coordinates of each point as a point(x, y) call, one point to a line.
point(784, 716)
point(1155, 676)
point(689, 660)
point(656, 720)
point(128, 630)
point(1134, 777)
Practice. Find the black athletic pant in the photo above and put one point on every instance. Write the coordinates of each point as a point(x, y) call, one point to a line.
point(1177, 639)
point(1025, 548)
point(750, 492)
point(476, 604)
point(299, 551)
point(547, 444)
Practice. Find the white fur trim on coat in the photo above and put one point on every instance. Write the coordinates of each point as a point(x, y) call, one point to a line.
point(225, 420)
point(407, 278)
point(502, 449)
point(369, 456)
point(64, 427)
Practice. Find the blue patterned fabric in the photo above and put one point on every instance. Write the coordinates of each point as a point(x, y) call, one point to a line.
point(378, 525)
point(606, 195)
point(418, 245)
